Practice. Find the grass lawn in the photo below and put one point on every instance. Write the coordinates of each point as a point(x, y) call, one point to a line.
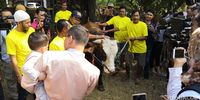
point(116, 89)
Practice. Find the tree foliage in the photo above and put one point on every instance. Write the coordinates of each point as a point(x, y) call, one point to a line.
point(157, 5)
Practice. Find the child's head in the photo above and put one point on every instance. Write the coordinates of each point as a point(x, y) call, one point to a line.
point(38, 41)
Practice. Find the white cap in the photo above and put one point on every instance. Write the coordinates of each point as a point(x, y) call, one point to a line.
point(21, 15)
point(110, 5)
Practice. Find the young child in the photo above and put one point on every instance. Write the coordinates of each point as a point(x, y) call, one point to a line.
point(38, 43)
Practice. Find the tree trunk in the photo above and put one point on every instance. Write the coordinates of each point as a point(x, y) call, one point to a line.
point(88, 8)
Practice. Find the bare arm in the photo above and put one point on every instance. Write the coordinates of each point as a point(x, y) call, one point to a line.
point(15, 67)
point(91, 36)
point(102, 24)
point(112, 30)
point(138, 38)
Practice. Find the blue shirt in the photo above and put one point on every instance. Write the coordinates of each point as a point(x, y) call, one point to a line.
point(4, 55)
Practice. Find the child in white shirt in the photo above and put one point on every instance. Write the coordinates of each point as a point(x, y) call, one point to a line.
point(38, 43)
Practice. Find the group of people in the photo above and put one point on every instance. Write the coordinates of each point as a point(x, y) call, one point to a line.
point(63, 72)
point(70, 76)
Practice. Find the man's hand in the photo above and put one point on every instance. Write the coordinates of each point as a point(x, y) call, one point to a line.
point(104, 31)
point(151, 28)
point(42, 76)
point(89, 50)
point(41, 23)
point(19, 79)
point(178, 62)
point(164, 97)
point(130, 39)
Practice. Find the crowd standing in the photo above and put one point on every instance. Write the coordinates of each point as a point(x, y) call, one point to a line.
point(58, 69)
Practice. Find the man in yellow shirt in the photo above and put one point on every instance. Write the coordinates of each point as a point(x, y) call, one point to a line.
point(63, 13)
point(137, 35)
point(17, 46)
point(57, 43)
point(119, 22)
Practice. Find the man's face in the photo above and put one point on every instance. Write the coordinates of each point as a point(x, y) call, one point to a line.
point(136, 17)
point(122, 12)
point(26, 24)
point(64, 6)
point(149, 16)
point(41, 15)
point(6, 14)
point(68, 42)
point(110, 8)
point(76, 21)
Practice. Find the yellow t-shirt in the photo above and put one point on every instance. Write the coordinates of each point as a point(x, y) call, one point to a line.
point(57, 44)
point(62, 15)
point(119, 22)
point(17, 44)
point(137, 30)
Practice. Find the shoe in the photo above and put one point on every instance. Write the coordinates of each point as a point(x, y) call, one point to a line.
point(101, 88)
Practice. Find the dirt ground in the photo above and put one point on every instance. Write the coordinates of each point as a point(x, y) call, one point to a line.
point(116, 89)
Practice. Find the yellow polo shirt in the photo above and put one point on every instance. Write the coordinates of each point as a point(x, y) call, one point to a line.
point(119, 22)
point(62, 15)
point(137, 30)
point(57, 43)
point(17, 45)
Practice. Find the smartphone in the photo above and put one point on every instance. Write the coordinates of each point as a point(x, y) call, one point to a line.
point(139, 96)
point(178, 53)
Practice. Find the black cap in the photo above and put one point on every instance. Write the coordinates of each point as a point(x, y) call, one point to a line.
point(76, 14)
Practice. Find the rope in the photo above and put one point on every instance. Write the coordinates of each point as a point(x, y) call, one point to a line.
point(100, 62)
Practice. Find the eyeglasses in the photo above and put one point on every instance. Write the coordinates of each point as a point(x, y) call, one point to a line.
point(109, 7)
point(78, 19)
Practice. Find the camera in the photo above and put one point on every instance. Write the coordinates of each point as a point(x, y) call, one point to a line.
point(179, 53)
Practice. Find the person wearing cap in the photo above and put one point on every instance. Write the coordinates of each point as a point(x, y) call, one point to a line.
point(8, 82)
point(62, 27)
point(75, 18)
point(110, 10)
point(63, 13)
point(17, 46)
point(108, 14)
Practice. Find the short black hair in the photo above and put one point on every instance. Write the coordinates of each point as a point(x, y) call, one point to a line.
point(6, 9)
point(122, 7)
point(40, 9)
point(79, 34)
point(134, 11)
point(37, 40)
point(61, 24)
point(149, 10)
